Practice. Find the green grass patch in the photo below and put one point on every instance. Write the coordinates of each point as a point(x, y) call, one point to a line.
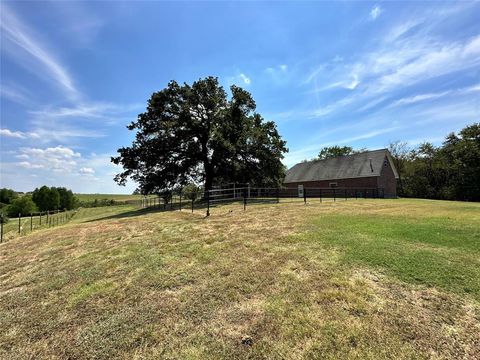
point(436, 251)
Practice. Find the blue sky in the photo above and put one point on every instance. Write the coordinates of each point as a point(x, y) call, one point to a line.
point(73, 74)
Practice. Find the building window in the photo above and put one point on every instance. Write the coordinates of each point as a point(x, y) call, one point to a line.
point(333, 184)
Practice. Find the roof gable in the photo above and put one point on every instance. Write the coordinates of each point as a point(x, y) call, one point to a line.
point(364, 164)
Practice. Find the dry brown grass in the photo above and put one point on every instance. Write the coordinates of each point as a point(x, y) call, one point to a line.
point(179, 285)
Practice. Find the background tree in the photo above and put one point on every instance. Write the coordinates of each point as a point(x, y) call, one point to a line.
point(196, 134)
point(22, 205)
point(46, 198)
point(7, 195)
point(67, 199)
point(461, 158)
point(334, 151)
point(450, 171)
point(400, 152)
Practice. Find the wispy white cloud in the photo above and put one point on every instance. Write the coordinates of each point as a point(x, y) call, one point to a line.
point(86, 171)
point(335, 136)
point(18, 134)
point(282, 68)
point(246, 80)
point(78, 22)
point(433, 96)
point(47, 122)
point(12, 134)
point(410, 59)
point(241, 79)
point(15, 93)
point(22, 45)
point(94, 110)
point(375, 12)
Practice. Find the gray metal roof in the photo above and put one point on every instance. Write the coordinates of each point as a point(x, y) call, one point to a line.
point(342, 167)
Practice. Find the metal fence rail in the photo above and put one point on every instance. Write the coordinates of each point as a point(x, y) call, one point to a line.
point(202, 200)
point(178, 200)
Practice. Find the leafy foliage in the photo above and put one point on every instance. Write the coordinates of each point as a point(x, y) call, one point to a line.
point(67, 199)
point(46, 198)
point(7, 196)
point(53, 198)
point(329, 152)
point(334, 151)
point(191, 191)
point(194, 133)
point(451, 171)
point(23, 205)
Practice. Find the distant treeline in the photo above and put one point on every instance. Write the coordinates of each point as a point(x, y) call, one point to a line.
point(41, 199)
point(46, 199)
point(449, 172)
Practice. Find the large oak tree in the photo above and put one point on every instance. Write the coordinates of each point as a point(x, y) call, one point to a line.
point(194, 133)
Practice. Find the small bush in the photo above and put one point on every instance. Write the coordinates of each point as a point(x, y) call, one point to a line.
point(191, 192)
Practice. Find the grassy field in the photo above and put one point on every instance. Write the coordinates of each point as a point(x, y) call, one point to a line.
point(366, 279)
point(34, 223)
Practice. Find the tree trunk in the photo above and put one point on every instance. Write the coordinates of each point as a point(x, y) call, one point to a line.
point(208, 176)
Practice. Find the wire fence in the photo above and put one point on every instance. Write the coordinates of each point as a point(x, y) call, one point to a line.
point(24, 224)
point(181, 200)
point(198, 200)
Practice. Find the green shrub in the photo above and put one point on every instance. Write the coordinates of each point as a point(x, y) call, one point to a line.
point(23, 205)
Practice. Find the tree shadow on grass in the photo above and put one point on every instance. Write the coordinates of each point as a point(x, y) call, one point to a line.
point(141, 212)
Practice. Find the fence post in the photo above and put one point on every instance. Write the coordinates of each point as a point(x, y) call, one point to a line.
point(305, 196)
point(19, 219)
point(334, 195)
point(31, 221)
point(244, 200)
point(192, 203)
point(40, 218)
point(278, 195)
point(208, 202)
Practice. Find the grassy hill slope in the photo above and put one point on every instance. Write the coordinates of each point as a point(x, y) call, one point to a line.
point(353, 279)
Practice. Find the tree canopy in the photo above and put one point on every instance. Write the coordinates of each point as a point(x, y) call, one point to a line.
point(46, 198)
point(450, 171)
point(7, 196)
point(53, 198)
point(67, 199)
point(195, 134)
point(22, 205)
point(334, 151)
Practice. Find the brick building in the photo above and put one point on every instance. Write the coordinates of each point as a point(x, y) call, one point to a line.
point(366, 170)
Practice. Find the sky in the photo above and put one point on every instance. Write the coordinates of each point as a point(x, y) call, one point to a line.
point(362, 74)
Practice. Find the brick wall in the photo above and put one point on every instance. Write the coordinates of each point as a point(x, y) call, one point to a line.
point(363, 182)
point(385, 181)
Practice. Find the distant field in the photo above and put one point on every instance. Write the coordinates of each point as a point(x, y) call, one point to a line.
point(357, 279)
point(117, 197)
